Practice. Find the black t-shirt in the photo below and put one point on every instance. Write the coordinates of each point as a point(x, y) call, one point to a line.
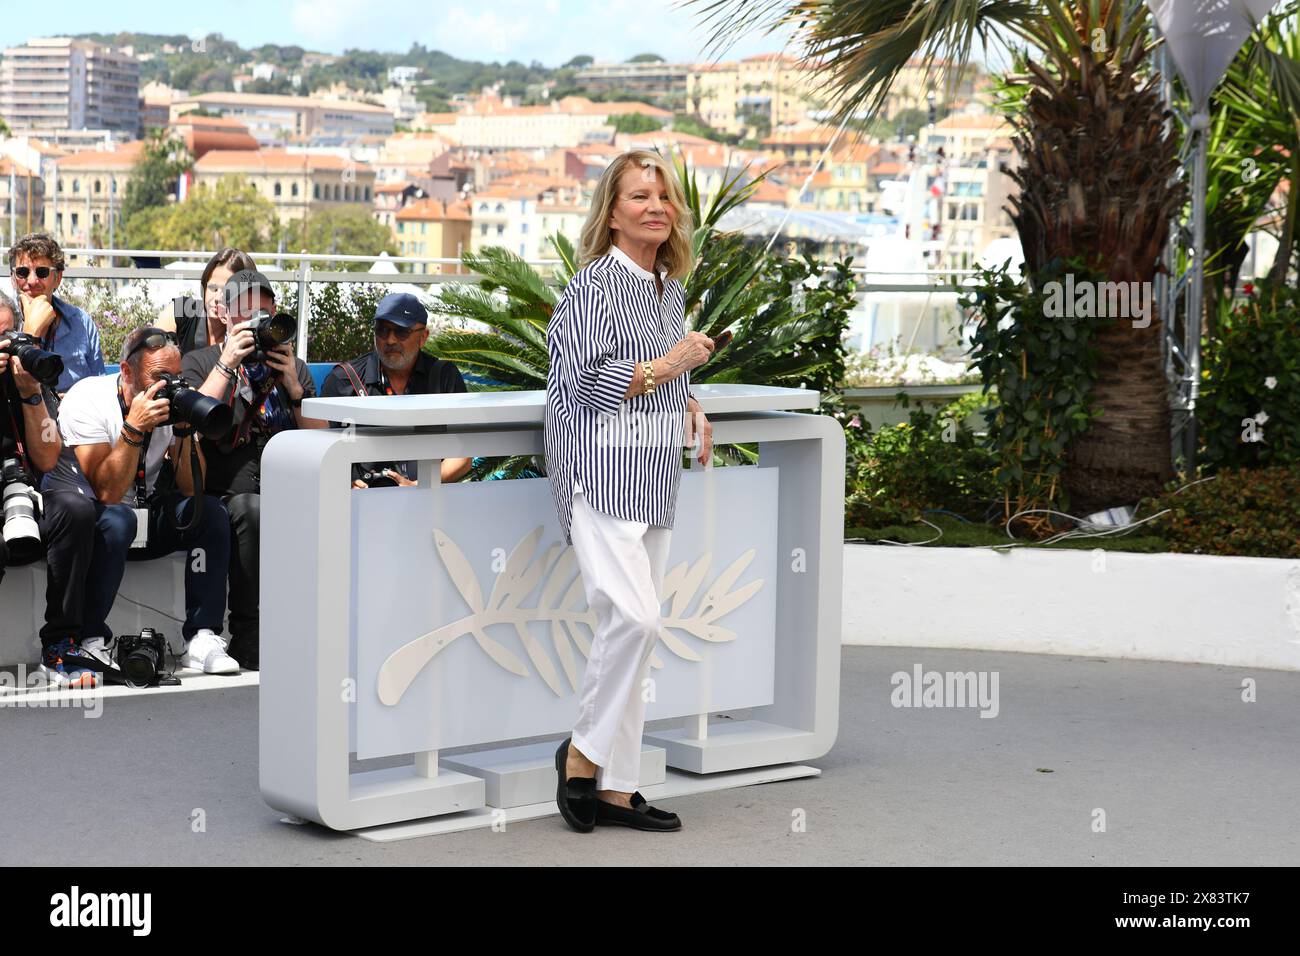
point(234, 463)
point(429, 376)
point(191, 323)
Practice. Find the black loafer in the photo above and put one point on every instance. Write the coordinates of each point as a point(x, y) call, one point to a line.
point(575, 796)
point(641, 816)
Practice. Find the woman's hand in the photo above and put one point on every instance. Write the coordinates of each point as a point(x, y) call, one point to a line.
point(689, 353)
point(699, 429)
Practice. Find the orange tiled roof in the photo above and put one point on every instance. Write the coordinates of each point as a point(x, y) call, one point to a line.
point(125, 156)
point(768, 191)
point(816, 136)
point(8, 165)
point(267, 160)
point(971, 121)
point(434, 210)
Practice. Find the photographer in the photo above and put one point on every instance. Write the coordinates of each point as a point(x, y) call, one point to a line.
point(198, 322)
point(264, 383)
point(30, 446)
point(36, 265)
point(121, 451)
point(397, 366)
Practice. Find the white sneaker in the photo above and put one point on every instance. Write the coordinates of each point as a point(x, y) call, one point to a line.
point(97, 648)
point(206, 652)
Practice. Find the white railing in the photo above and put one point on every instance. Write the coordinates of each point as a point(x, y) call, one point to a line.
point(301, 272)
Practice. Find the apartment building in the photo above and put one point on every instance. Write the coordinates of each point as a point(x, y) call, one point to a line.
point(22, 198)
point(84, 193)
point(571, 121)
point(433, 229)
point(297, 184)
point(975, 189)
point(58, 83)
point(662, 83)
point(520, 216)
point(306, 120)
point(753, 96)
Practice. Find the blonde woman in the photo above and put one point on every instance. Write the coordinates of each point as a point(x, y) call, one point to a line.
point(618, 413)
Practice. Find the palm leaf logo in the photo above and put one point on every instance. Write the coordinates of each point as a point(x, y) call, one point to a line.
point(561, 592)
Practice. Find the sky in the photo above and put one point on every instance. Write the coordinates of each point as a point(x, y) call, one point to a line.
point(549, 31)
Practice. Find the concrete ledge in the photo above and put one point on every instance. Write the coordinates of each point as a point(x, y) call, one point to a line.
point(159, 584)
point(1238, 612)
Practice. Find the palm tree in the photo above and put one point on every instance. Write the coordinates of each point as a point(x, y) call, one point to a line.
point(1097, 175)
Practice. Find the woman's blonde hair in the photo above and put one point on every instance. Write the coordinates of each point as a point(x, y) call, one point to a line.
point(675, 252)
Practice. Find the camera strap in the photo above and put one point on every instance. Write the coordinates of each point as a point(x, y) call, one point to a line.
point(141, 494)
point(18, 436)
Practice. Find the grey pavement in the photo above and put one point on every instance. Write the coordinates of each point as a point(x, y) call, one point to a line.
point(1185, 771)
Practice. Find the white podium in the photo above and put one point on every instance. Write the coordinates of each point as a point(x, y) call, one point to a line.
point(401, 622)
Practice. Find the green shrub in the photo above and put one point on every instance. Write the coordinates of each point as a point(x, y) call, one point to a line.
point(1043, 368)
point(342, 316)
point(1248, 412)
point(933, 460)
point(1251, 512)
point(115, 309)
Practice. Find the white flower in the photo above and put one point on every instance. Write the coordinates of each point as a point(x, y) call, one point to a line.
point(812, 282)
point(1261, 418)
point(1270, 382)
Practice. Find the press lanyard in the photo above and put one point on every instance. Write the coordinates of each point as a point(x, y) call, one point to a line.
point(141, 492)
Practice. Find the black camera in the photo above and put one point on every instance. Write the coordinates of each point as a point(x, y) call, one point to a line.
point(139, 658)
point(45, 367)
point(268, 332)
point(22, 509)
point(191, 407)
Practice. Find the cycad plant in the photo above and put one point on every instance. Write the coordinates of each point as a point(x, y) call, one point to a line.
point(788, 316)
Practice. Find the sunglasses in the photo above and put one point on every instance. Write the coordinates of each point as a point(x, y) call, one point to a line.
point(154, 340)
point(42, 272)
point(401, 333)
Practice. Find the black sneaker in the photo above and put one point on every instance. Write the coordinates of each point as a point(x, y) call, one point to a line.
point(244, 651)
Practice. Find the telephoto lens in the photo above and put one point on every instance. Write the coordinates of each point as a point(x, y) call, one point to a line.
point(269, 331)
point(22, 533)
point(191, 407)
point(45, 367)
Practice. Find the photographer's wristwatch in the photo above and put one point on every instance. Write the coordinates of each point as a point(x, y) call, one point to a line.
point(33, 399)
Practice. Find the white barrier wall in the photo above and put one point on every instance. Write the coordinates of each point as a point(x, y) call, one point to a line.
point(159, 584)
point(1241, 612)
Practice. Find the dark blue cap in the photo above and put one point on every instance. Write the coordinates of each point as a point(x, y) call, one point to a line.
point(402, 309)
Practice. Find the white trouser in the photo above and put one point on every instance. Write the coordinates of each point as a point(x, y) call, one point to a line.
point(622, 564)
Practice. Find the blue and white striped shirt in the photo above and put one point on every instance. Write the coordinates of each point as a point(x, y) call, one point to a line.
point(625, 453)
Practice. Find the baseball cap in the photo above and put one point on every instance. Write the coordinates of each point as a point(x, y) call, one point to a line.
point(245, 282)
point(402, 309)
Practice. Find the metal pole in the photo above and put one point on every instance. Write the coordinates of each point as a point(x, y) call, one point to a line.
point(13, 200)
point(1196, 286)
point(304, 305)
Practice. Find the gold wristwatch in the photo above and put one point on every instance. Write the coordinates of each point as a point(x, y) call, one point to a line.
point(647, 369)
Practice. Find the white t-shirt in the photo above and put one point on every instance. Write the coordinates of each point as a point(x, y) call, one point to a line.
point(90, 415)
